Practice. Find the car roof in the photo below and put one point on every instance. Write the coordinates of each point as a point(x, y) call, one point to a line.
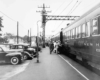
point(21, 44)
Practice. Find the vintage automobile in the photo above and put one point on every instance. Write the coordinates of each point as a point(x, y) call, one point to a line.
point(26, 50)
point(10, 56)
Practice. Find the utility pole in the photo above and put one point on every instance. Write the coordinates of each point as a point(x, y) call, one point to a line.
point(46, 18)
point(30, 36)
point(37, 42)
point(44, 13)
point(17, 33)
point(1, 23)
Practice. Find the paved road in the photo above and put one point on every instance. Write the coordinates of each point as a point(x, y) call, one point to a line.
point(54, 67)
point(8, 70)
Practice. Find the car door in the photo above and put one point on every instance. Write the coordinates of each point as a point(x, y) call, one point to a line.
point(2, 55)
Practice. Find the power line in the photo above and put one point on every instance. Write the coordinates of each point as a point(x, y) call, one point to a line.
point(67, 14)
point(8, 16)
point(62, 11)
point(75, 7)
point(92, 2)
point(66, 6)
point(59, 6)
point(73, 10)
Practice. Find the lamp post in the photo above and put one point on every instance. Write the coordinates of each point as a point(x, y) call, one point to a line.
point(37, 42)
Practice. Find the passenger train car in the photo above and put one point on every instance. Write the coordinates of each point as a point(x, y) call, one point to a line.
point(83, 37)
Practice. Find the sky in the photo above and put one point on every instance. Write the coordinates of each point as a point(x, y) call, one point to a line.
point(25, 13)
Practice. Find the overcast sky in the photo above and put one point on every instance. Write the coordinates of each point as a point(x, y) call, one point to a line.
point(24, 11)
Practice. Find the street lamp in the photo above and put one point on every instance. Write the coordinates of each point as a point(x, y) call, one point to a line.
point(37, 41)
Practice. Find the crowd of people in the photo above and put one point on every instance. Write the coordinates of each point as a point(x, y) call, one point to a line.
point(56, 47)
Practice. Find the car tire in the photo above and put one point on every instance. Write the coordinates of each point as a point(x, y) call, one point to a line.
point(27, 54)
point(25, 57)
point(14, 60)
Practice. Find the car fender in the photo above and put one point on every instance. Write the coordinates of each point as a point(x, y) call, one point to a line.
point(32, 49)
point(14, 54)
point(27, 53)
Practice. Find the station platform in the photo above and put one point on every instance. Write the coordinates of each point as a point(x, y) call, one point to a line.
point(50, 67)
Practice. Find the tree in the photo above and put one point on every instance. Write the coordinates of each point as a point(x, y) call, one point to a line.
point(26, 39)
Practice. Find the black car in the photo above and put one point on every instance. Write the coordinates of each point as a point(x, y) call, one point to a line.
point(35, 47)
point(28, 52)
point(10, 56)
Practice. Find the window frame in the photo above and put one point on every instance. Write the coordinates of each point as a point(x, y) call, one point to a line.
point(93, 26)
point(83, 26)
point(88, 33)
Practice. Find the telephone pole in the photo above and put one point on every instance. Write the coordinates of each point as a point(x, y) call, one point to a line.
point(17, 33)
point(46, 18)
point(1, 23)
point(30, 36)
point(44, 13)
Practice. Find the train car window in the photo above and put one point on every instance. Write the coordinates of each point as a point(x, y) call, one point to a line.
point(65, 35)
point(88, 29)
point(83, 31)
point(76, 32)
point(69, 35)
point(95, 27)
point(73, 33)
point(79, 31)
point(99, 25)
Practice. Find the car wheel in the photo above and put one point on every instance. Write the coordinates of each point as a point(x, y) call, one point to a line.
point(25, 56)
point(14, 60)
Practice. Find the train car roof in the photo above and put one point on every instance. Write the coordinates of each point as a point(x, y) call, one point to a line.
point(85, 14)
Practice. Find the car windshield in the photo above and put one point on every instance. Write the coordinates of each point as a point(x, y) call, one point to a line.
point(16, 47)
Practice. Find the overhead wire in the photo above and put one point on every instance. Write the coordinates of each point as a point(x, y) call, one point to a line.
point(11, 18)
point(61, 12)
point(66, 6)
point(8, 16)
point(92, 2)
point(59, 7)
point(63, 9)
point(74, 10)
point(67, 14)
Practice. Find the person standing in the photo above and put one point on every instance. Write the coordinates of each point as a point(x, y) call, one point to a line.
point(55, 47)
point(51, 46)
